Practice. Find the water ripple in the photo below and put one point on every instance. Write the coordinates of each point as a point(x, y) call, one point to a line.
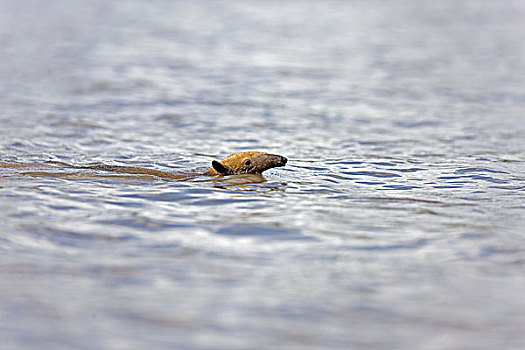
point(404, 190)
point(371, 173)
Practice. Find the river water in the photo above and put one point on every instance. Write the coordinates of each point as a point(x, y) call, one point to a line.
point(398, 222)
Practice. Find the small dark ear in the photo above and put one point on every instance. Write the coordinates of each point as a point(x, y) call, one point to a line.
point(221, 169)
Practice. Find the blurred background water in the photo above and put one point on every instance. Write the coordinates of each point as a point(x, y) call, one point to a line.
point(398, 221)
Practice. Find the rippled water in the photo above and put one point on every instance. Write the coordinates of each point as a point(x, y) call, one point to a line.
point(398, 221)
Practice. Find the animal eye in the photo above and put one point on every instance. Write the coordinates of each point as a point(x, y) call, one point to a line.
point(247, 162)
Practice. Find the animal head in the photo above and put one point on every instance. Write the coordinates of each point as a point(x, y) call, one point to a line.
point(246, 163)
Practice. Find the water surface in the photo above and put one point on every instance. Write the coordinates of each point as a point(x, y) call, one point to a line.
point(397, 223)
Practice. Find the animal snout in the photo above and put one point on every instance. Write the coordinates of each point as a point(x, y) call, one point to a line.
point(283, 159)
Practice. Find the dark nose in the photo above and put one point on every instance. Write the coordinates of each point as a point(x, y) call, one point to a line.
point(283, 160)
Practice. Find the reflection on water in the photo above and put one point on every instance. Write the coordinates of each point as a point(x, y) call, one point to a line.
point(397, 222)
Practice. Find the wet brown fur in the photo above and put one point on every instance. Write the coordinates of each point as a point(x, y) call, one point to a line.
point(246, 163)
point(240, 163)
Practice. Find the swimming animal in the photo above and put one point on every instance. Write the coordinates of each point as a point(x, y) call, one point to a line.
point(235, 164)
point(246, 163)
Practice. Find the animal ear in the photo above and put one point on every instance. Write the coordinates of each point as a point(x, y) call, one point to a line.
point(221, 169)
